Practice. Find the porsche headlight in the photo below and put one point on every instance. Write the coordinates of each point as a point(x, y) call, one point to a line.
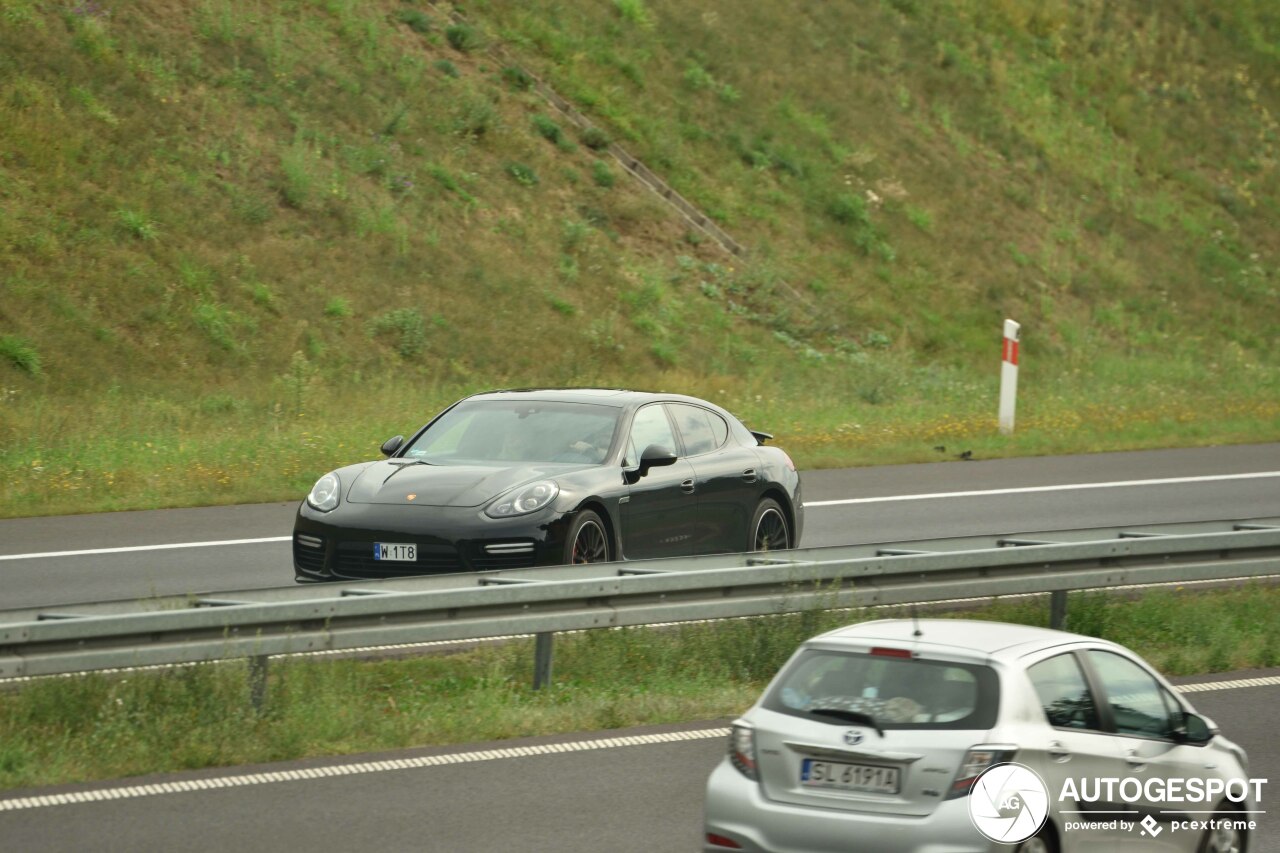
point(324, 494)
point(524, 500)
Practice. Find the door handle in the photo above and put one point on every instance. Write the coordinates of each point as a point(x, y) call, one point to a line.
point(1058, 752)
point(687, 487)
point(1135, 761)
point(749, 475)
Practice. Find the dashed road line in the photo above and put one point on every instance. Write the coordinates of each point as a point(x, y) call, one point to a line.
point(338, 770)
point(1204, 687)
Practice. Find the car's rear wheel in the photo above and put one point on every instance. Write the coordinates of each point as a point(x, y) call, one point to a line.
point(769, 528)
point(1042, 842)
point(587, 541)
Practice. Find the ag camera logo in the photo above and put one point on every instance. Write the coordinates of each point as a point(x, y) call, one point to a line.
point(1009, 803)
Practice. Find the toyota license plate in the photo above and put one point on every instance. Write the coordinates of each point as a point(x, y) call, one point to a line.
point(395, 552)
point(860, 778)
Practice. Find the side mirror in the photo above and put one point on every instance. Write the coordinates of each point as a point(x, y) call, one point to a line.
point(1195, 730)
point(654, 456)
point(391, 445)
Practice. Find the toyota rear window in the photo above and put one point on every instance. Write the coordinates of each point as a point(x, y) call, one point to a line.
point(896, 692)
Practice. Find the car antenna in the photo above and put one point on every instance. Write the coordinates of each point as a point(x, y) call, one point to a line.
point(915, 622)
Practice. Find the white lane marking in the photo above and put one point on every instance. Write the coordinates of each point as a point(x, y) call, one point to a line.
point(132, 548)
point(843, 502)
point(1067, 487)
point(420, 762)
point(332, 770)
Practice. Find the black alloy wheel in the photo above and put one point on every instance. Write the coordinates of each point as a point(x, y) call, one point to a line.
point(769, 528)
point(588, 543)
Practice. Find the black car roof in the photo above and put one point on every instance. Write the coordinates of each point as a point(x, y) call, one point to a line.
point(600, 396)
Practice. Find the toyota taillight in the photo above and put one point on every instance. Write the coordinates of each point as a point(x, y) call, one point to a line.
point(742, 750)
point(976, 762)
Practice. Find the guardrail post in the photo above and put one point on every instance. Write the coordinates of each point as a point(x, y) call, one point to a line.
point(258, 683)
point(542, 660)
point(1058, 609)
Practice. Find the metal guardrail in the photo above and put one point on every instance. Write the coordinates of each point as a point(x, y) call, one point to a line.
point(263, 623)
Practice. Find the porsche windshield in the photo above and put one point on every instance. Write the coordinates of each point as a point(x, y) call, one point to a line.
point(510, 431)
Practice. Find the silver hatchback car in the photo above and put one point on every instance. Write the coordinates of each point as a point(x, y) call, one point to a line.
point(951, 736)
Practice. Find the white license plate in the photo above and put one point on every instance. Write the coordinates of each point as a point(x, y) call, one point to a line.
point(862, 778)
point(395, 552)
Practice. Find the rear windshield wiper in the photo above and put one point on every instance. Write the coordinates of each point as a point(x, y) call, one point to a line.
point(849, 717)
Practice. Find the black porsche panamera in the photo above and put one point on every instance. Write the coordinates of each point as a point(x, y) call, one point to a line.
point(513, 479)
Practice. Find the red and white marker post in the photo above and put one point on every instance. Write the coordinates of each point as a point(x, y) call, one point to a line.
point(1009, 377)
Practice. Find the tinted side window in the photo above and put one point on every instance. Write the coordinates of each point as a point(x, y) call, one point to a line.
point(1134, 696)
point(649, 427)
point(718, 428)
point(697, 428)
point(1064, 694)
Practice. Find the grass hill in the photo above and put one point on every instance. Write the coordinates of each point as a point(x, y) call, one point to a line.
point(243, 242)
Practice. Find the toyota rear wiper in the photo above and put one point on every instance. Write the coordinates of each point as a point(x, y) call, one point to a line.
point(849, 717)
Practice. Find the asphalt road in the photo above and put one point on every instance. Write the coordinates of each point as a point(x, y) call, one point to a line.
point(61, 560)
point(645, 797)
point(616, 797)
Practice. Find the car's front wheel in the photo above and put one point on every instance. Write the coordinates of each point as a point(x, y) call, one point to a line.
point(587, 541)
point(1223, 836)
point(769, 529)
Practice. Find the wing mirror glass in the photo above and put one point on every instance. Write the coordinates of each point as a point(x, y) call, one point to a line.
point(1195, 730)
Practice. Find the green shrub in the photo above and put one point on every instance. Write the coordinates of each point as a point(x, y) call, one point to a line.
point(137, 224)
point(263, 295)
point(635, 12)
point(517, 78)
point(596, 139)
point(848, 209)
point(299, 182)
point(338, 306)
point(474, 115)
point(548, 129)
point(219, 323)
point(561, 306)
point(602, 174)
point(19, 352)
point(463, 38)
point(522, 174)
point(415, 19)
point(697, 78)
point(407, 325)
